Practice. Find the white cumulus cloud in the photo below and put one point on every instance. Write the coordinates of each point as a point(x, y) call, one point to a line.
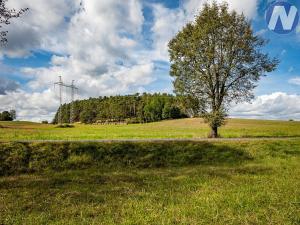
point(278, 105)
point(167, 22)
point(31, 106)
point(100, 45)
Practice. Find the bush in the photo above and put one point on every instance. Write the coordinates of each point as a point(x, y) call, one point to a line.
point(45, 122)
point(132, 121)
point(7, 116)
point(65, 126)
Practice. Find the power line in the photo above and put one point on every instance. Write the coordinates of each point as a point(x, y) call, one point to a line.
point(73, 88)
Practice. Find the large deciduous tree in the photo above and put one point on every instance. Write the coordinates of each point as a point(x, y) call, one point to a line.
point(218, 60)
point(5, 16)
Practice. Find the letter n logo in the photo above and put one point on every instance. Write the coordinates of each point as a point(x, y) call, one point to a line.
point(282, 17)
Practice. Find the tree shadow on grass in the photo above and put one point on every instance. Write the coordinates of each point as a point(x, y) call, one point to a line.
point(173, 154)
point(17, 158)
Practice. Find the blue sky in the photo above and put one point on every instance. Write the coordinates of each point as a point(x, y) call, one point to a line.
point(112, 47)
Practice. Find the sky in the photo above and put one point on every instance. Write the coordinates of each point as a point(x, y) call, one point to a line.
point(116, 47)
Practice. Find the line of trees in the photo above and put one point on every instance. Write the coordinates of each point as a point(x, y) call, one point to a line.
point(137, 108)
point(8, 115)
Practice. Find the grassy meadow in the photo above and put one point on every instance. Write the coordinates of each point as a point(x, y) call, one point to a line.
point(246, 182)
point(184, 128)
point(163, 182)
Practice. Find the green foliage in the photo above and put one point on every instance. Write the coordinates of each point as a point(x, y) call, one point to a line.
point(215, 119)
point(87, 116)
point(65, 126)
point(190, 105)
point(132, 121)
point(142, 108)
point(171, 112)
point(153, 110)
point(7, 116)
point(218, 60)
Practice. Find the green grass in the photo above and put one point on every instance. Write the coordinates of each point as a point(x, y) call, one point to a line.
point(238, 182)
point(184, 128)
point(247, 182)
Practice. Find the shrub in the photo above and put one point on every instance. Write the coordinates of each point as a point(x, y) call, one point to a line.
point(65, 126)
point(132, 121)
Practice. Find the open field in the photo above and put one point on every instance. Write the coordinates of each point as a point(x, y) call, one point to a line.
point(247, 182)
point(169, 182)
point(184, 128)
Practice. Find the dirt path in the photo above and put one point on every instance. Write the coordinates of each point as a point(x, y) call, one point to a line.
point(158, 140)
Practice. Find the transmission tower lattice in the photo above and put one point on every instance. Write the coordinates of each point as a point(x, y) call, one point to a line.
point(73, 88)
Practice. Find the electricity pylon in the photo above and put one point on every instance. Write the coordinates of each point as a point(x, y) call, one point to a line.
point(72, 113)
point(73, 88)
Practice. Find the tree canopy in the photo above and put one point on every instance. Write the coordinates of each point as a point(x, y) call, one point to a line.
point(130, 108)
point(218, 60)
point(8, 115)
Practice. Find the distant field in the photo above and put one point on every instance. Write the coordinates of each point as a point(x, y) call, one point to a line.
point(184, 128)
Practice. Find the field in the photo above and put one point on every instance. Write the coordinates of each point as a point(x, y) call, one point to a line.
point(248, 182)
point(251, 181)
point(185, 128)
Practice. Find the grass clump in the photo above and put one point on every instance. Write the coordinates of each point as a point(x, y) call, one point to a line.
point(79, 161)
point(14, 158)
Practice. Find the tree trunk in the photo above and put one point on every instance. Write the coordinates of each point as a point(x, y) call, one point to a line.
point(214, 132)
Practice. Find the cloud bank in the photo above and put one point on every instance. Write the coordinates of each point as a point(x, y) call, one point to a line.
point(104, 46)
